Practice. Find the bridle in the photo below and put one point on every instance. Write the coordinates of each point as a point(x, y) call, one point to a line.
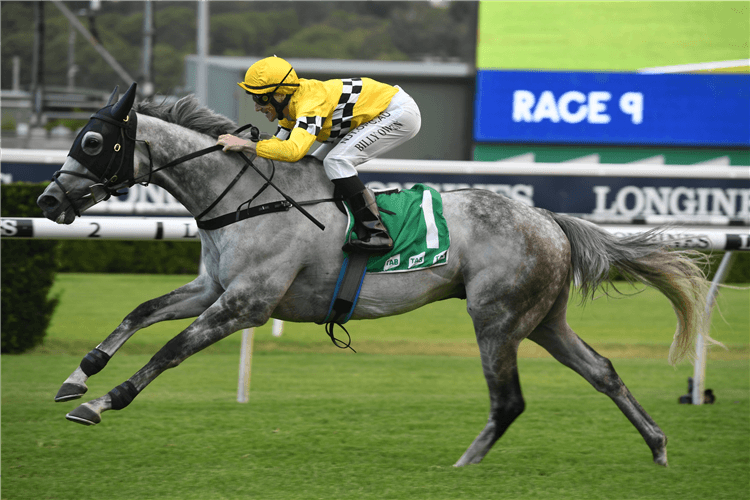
point(118, 172)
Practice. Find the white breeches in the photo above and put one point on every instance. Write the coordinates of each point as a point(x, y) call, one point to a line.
point(399, 122)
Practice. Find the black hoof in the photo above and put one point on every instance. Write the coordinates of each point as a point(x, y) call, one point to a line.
point(84, 415)
point(70, 391)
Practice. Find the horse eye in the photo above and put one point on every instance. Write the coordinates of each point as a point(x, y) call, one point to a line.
point(92, 143)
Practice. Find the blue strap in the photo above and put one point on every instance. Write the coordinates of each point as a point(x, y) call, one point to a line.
point(345, 295)
point(336, 289)
point(347, 290)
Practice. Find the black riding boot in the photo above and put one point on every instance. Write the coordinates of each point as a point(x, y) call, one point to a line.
point(372, 234)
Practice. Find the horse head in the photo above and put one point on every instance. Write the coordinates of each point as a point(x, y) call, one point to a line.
point(100, 161)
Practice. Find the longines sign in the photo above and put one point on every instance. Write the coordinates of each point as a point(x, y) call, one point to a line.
point(628, 197)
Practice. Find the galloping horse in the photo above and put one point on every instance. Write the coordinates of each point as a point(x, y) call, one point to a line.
point(513, 264)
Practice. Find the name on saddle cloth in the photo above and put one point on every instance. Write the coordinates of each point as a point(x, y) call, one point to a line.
point(414, 219)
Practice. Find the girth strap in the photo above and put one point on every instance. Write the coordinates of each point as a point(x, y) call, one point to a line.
point(347, 288)
point(345, 296)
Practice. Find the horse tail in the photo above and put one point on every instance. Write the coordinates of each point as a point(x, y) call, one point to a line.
point(678, 274)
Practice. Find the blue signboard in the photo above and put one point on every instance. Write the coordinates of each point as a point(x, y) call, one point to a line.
point(28, 172)
point(612, 108)
point(610, 196)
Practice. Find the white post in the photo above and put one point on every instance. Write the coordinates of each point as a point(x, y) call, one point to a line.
point(147, 88)
point(72, 67)
point(16, 73)
point(277, 328)
point(201, 82)
point(246, 362)
point(699, 371)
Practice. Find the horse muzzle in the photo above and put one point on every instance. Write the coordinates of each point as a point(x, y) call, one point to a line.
point(63, 207)
point(55, 209)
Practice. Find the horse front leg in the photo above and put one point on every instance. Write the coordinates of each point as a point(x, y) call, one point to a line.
point(188, 301)
point(233, 311)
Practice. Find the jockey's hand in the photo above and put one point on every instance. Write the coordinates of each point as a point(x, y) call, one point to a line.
point(234, 143)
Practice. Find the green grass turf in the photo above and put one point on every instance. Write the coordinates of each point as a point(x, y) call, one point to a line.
point(331, 424)
point(366, 426)
point(92, 305)
point(610, 36)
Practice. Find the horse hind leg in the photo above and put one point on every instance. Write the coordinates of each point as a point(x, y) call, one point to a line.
point(568, 348)
point(500, 366)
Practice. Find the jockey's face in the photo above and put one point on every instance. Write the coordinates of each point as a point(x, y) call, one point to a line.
point(267, 110)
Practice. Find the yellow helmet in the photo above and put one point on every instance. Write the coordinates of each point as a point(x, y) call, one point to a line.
point(272, 74)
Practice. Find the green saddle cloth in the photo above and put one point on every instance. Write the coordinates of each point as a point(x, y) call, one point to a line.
point(414, 219)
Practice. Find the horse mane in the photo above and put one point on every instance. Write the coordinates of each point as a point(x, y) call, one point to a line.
point(189, 113)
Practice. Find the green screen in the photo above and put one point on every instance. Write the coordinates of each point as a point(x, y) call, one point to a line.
point(610, 36)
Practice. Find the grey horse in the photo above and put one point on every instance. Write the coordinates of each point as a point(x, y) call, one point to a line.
point(513, 264)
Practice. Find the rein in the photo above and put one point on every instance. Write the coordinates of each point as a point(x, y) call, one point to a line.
point(239, 214)
point(254, 136)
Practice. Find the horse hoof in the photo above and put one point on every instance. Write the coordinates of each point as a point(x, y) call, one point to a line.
point(660, 458)
point(70, 391)
point(84, 415)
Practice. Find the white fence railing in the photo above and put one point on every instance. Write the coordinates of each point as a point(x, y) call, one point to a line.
point(185, 229)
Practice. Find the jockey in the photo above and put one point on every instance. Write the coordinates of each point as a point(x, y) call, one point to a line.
point(355, 119)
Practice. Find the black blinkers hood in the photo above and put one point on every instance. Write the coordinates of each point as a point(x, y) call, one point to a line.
point(117, 124)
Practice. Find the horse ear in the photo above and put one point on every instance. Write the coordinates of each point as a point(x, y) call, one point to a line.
point(111, 99)
point(122, 108)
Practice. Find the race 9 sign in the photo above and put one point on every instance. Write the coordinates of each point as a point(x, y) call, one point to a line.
point(612, 108)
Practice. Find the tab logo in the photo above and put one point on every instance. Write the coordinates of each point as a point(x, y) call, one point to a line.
point(416, 260)
point(392, 262)
point(442, 256)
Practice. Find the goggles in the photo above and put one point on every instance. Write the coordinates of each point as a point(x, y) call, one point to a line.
point(260, 99)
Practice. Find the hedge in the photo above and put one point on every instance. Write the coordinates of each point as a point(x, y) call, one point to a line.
point(28, 272)
point(140, 257)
